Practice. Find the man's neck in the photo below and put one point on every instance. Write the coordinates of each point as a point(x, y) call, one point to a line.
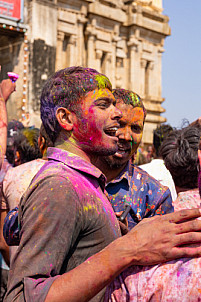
point(109, 172)
point(72, 147)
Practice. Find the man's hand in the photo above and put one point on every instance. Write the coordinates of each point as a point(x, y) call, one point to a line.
point(6, 88)
point(122, 224)
point(163, 238)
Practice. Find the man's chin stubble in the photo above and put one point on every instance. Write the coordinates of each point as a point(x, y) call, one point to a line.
point(113, 163)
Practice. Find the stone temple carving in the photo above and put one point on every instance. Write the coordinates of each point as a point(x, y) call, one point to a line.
point(123, 39)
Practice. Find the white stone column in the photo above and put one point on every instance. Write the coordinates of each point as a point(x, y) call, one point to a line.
point(159, 71)
point(133, 48)
point(59, 52)
point(99, 54)
point(72, 51)
point(81, 61)
point(108, 64)
point(143, 64)
point(113, 65)
point(91, 62)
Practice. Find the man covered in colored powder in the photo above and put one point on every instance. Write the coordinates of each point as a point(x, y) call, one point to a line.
point(156, 166)
point(178, 280)
point(70, 243)
point(128, 185)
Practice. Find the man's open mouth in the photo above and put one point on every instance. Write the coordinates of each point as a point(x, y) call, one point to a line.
point(111, 131)
point(122, 151)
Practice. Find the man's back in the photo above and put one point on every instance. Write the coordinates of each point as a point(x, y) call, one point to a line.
point(64, 218)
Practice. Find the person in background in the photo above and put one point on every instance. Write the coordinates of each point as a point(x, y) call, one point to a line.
point(156, 167)
point(13, 131)
point(178, 280)
point(140, 158)
point(6, 88)
point(150, 153)
point(22, 147)
point(127, 184)
point(17, 181)
point(180, 154)
point(26, 146)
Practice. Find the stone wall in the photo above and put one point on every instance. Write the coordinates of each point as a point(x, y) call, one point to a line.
point(123, 39)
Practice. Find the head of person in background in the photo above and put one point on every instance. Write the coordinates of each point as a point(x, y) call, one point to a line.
point(77, 106)
point(197, 124)
point(159, 135)
point(26, 146)
point(199, 177)
point(129, 133)
point(13, 130)
point(140, 157)
point(180, 154)
point(44, 141)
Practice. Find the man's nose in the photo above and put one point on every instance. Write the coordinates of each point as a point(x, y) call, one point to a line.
point(124, 134)
point(116, 113)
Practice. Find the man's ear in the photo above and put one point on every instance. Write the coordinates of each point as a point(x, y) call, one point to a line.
point(42, 144)
point(17, 159)
point(65, 118)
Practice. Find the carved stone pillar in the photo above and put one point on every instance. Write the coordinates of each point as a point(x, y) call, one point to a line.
point(59, 52)
point(72, 53)
point(90, 57)
point(99, 54)
point(108, 64)
point(133, 47)
point(81, 56)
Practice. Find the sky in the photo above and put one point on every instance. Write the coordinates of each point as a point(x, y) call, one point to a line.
point(181, 62)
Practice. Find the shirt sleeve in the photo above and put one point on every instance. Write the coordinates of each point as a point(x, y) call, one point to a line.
point(49, 229)
point(165, 205)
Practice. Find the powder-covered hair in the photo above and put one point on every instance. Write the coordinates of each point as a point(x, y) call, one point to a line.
point(159, 135)
point(129, 97)
point(46, 137)
point(180, 154)
point(26, 143)
point(66, 88)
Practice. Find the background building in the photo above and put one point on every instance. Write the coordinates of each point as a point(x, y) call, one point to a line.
point(122, 39)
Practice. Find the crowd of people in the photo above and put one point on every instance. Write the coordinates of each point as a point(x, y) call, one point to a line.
point(83, 216)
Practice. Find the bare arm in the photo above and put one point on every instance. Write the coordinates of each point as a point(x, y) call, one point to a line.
point(6, 88)
point(152, 241)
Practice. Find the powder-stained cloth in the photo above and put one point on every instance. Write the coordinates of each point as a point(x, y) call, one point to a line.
point(144, 193)
point(16, 182)
point(65, 218)
point(174, 281)
point(4, 169)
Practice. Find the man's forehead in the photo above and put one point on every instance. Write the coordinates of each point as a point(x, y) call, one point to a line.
point(98, 93)
point(128, 108)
